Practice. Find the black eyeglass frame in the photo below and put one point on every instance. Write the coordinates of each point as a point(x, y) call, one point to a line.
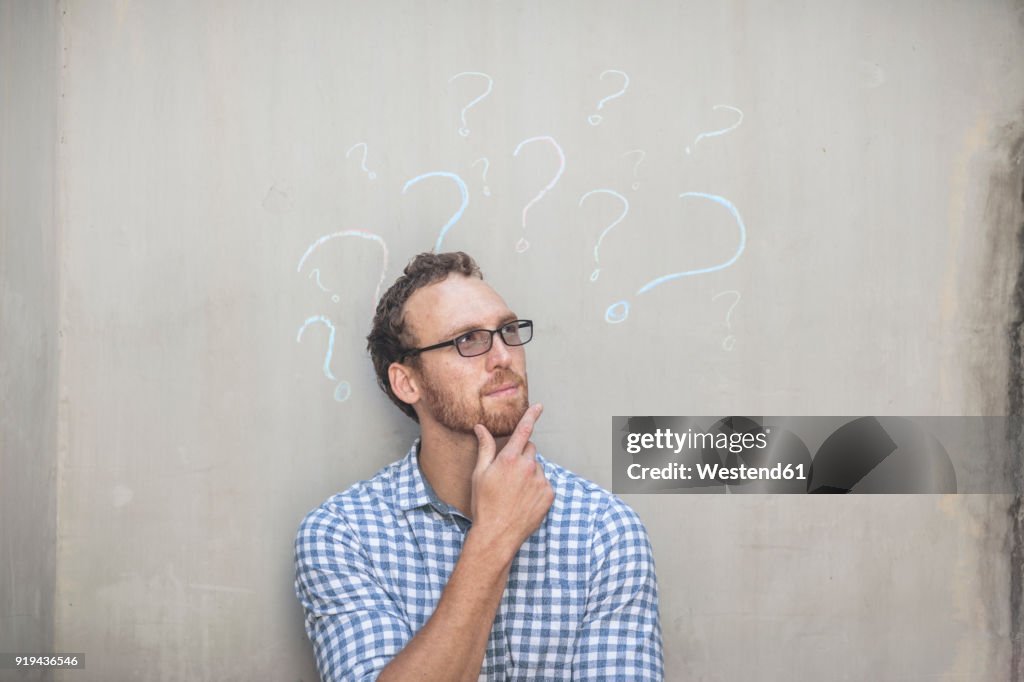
point(454, 342)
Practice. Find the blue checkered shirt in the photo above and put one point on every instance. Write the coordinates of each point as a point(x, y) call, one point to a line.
point(581, 602)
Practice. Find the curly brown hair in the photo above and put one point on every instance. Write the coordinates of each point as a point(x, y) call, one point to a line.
point(389, 338)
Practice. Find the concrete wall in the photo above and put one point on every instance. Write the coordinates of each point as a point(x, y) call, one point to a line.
point(29, 340)
point(205, 149)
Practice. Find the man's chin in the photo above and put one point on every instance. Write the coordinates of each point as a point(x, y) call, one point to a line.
point(502, 422)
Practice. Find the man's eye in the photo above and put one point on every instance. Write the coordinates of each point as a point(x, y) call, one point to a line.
point(474, 339)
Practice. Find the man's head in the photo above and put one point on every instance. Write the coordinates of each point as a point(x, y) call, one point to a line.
point(439, 298)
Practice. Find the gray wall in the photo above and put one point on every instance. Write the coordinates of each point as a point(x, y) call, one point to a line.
point(877, 176)
point(29, 338)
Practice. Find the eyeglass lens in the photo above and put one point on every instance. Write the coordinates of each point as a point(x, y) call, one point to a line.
point(478, 342)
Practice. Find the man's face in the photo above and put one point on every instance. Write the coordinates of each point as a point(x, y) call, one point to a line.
point(459, 392)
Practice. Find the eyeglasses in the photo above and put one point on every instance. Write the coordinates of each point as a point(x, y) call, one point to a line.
point(478, 341)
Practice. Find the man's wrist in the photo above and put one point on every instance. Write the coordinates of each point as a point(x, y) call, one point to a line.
point(489, 549)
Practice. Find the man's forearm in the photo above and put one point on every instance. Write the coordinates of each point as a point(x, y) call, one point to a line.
point(452, 643)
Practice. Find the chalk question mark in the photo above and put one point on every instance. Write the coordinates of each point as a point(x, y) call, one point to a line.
point(643, 155)
point(455, 216)
point(487, 164)
point(464, 130)
point(316, 271)
point(619, 311)
point(723, 131)
point(597, 247)
point(522, 244)
point(343, 390)
point(369, 173)
point(595, 119)
point(730, 340)
point(361, 234)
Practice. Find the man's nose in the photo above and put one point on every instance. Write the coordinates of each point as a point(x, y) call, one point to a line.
point(500, 355)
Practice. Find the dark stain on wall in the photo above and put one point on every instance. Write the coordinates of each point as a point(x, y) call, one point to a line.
point(1008, 183)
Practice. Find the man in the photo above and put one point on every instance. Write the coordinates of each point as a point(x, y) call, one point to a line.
point(473, 557)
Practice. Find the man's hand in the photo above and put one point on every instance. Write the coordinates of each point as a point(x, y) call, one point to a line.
point(510, 494)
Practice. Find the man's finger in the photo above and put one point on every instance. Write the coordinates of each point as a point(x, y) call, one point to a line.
point(524, 429)
point(485, 447)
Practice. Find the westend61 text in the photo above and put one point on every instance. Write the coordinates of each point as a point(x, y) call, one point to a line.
point(716, 472)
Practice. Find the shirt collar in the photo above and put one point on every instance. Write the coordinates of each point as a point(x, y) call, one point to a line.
point(413, 490)
point(411, 487)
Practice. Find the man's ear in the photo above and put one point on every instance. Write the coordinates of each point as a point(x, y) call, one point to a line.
point(404, 383)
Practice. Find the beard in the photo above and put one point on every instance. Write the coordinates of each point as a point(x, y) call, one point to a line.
point(458, 412)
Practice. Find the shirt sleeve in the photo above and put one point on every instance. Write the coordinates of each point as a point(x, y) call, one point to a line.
point(355, 626)
point(620, 638)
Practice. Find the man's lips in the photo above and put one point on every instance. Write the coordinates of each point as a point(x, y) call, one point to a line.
point(504, 390)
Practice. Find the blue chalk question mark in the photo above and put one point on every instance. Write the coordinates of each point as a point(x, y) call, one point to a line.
point(619, 311)
point(595, 119)
point(344, 389)
point(455, 216)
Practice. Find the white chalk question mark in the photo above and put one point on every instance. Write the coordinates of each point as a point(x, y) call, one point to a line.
point(464, 130)
point(597, 247)
point(343, 390)
point(723, 131)
point(487, 164)
point(643, 155)
point(595, 119)
point(522, 244)
point(726, 342)
point(361, 234)
point(369, 173)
